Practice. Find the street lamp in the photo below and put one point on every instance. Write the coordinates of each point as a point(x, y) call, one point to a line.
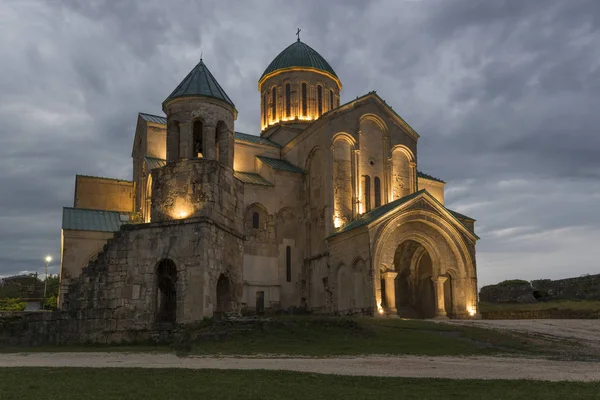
point(47, 259)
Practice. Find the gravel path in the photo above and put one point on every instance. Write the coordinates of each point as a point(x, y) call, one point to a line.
point(583, 331)
point(407, 366)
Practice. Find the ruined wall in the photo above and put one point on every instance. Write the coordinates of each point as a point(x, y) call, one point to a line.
point(580, 288)
point(78, 248)
point(117, 292)
point(98, 193)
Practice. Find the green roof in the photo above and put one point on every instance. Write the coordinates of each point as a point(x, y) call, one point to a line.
point(459, 215)
point(281, 165)
point(299, 54)
point(374, 214)
point(199, 82)
point(153, 118)
point(81, 219)
point(252, 179)
point(244, 137)
point(155, 162)
point(427, 176)
point(378, 212)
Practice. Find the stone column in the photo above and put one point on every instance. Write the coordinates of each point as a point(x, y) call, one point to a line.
point(390, 289)
point(209, 146)
point(438, 281)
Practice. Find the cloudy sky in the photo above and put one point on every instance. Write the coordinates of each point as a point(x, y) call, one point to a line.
point(505, 96)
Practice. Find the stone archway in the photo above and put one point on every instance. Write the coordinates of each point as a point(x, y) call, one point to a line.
point(414, 295)
point(166, 292)
point(224, 294)
point(418, 257)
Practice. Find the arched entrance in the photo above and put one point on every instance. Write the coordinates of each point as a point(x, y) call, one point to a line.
point(413, 286)
point(423, 268)
point(166, 292)
point(224, 294)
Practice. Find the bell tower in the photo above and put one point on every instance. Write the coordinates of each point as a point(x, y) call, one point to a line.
point(200, 119)
point(198, 179)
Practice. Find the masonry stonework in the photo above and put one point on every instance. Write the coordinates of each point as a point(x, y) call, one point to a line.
point(325, 211)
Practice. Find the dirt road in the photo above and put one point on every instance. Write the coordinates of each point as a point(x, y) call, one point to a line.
point(408, 366)
point(582, 331)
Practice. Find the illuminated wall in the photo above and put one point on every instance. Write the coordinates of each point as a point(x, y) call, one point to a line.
point(294, 95)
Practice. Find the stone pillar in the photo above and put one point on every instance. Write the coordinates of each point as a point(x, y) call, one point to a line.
point(390, 289)
point(209, 147)
point(440, 309)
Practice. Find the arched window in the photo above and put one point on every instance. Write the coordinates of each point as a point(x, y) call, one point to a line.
point(274, 104)
point(288, 264)
point(320, 99)
point(304, 100)
point(377, 183)
point(331, 99)
point(197, 139)
point(265, 109)
point(255, 220)
point(367, 192)
point(288, 100)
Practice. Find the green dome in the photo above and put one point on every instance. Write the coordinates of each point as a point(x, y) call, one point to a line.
point(298, 55)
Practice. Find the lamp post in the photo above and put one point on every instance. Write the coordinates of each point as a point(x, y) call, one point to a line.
point(47, 261)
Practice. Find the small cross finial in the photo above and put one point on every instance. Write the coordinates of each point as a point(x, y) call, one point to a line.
point(200, 56)
point(298, 34)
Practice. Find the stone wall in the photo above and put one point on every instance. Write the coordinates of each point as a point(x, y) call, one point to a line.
point(518, 291)
point(515, 291)
point(581, 288)
point(554, 313)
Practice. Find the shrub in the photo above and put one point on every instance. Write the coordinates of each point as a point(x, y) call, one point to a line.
point(12, 305)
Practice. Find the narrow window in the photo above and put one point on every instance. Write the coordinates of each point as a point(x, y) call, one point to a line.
point(320, 99)
point(255, 220)
point(197, 139)
point(288, 264)
point(304, 102)
point(331, 99)
point(377, 191)
point(274, 104)
point(367, 193)
point(288, 100)
point(265, 109)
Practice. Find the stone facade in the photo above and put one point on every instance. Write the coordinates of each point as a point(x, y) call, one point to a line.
point(324, 211)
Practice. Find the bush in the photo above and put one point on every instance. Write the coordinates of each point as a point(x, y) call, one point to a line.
point(513, 282)
point(12, 305)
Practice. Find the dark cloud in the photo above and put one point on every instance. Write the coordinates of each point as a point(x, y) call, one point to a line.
point(504, 94)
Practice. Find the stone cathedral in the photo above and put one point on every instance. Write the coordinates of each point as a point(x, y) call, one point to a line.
point(325, 211)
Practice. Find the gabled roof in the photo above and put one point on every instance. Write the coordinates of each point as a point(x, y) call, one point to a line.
point(381, 211)
point(81, 219)
point(153, 118)
point(374, 95)
point(281, 165)
point(199, 82)
point(459, 215)
point(427, 176)
point(244, 137)
point(376, 213)
point(298, 54)
point(155, 162)
point(251, 178)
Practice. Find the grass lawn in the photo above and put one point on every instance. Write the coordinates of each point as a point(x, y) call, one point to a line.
point(583, 305)
point(336, 336)
point(126, 384)
point(332, 336)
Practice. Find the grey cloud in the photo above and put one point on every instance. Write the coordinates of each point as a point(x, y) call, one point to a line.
point(500, 91)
